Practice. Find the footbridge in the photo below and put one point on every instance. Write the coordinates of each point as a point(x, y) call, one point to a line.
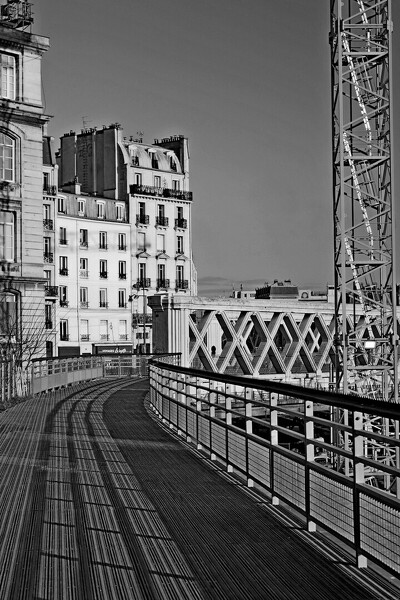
point(176, 483)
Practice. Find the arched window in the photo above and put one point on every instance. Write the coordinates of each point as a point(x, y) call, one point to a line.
point(7, 158)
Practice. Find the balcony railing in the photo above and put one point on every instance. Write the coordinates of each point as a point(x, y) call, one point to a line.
point(162, 221)
point(181, 223)
point(50, 190)
point(48, 257)
point(150, 190)
point(48, 324)
point(48, 224)
point(104, 336)
point(122, 247)
point(163, 283)
point(182, 284)
point(103, 304)
point(142, 219)
point(64, 337)
point(85, 337)
point(123, 336)
point(103, 246)
point(64, 303)
point(51, 290)
point(84, 304)
point(103, 274)
point(63, 242)
point(63, 271)
point(83, 274)
point(122, 275)
point(139, 319)
point(83, 244)
point(143, 283)
point(122, 305)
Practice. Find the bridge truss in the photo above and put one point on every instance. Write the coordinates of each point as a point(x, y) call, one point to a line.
point(366, 356)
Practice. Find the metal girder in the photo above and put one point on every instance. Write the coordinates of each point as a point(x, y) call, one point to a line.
point(364, 237)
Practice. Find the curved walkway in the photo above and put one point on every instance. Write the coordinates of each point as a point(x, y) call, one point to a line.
point(97, 501)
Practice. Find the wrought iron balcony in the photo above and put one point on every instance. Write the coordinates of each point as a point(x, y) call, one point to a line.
point(85, 337)
point(163, 283)
point(162, 221)
point(122, 305)
point(121, 275)
point(63, 242)
point(143, 283)
point(150, 190)
point(123, 336)
point(181, 223)
point(48, 324)
point(104, 336)
point(64, 337)
point(64, 303)
point(103, 246)
point(103, 304)
point(84, 304)
point(139, 319)
point(83, 274)
point(50, 190)
point(142, 219)
point(48, 257)
point(122, 247)
point(103, 274)
point(63, 271)
point(51, 291)
point(182, 284)
point(48, 224)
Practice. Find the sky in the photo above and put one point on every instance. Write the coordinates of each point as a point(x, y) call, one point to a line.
point(248, 82)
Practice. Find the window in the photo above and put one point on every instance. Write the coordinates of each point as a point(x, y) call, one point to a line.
point(48, 317)
point(120, 212)
point(46, 246)
point(103, 269)
point(83, 297)
point(103, 240)
point(154, 160)
point(122, 298)
point(81, 207)
point(63, 295)
point(138, 179)
point(179, 276)
point(141, 241)
point(122, 329)
point(121, 241)
point(176, 184)
point(179, 244)
point(83, 238)
point(172, 163)
point(161, 275)
point(161, 218)
point(46, 211)
point(47, 276)
point(63, 265)
point(103, 330)
point(7, 236)
point(61, 205)
point(157, 181)
point(100, 210)
point(7, 158)
point(83, 268)
point(161, 211)
point(122, 269)
point(63, 236)
point(142, 270)
point(7, 79)
point(64, 336)
point(84, 326)
point(142, 217)
point(160, 242)
point(103, 298)
point(179, 212)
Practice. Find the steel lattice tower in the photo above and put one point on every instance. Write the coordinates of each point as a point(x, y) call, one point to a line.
point(365, 281)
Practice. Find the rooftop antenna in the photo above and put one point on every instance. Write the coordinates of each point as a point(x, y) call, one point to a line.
point(16, 14)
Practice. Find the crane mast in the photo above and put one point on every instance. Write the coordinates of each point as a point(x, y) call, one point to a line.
point(366, 332)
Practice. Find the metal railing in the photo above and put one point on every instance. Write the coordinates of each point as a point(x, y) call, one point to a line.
point(150, 190)
point(318, 451)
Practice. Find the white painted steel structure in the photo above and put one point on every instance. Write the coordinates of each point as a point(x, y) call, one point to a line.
point(365, 273)
point(239, 422)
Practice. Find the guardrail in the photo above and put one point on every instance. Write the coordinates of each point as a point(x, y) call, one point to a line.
point(329, 456)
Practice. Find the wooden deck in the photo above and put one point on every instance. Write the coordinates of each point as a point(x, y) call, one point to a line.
point(97, 501)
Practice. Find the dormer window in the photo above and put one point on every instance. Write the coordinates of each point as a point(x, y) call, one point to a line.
point(7, 158)
point(7, 78)
point(120, 212)
point(100, 210)
point(81, 207)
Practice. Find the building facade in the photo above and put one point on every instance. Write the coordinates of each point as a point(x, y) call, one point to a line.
point(22, 124)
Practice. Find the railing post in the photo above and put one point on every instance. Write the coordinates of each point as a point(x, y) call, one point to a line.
point(228, 421)
point(212, 400)
point(249, 429)
point(358, 478)
point(198, 412)
point(273, 399)
point(310, 452)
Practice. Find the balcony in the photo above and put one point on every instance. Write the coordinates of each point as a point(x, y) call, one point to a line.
point(63, 242)
point(163, 283)
point(139, 319)
point(64, 303)
point(84, 304)
point(182, 284)
point(103, 274)
point(150, 190)
point(121, 275)
point(51, 291)
point(162, 221)
point(123, 336)
point(103, 246)
point(104, 337)
point(83, 274)
point(48, 324)
point(85, 337)
point(48, 257)
point(64, 337)
point(122, 247)
point(103, 304)
point(50, 190)
point(142, 219)
point(143, 283)
point(64, 272)
point(48, 224)
point(181, 223)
